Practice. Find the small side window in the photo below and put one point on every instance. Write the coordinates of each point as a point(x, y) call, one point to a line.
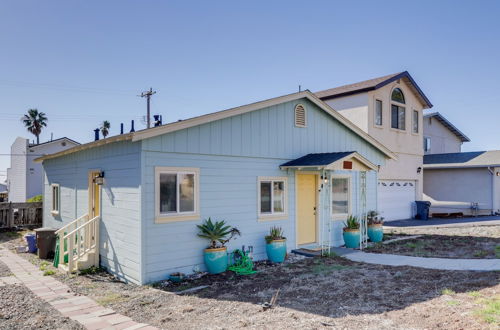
point(300, 116)
point(378, 112)
point(271, 197)
point(56, 198)
point(415, 121)
point(427, 144)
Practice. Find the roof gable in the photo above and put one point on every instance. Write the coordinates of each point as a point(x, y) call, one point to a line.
point(373, 84)
point(448, 125)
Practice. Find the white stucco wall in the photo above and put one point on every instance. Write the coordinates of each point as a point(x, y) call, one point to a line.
point(353, 107)
point(17, 173)
point(442, 139)
point(449, 187)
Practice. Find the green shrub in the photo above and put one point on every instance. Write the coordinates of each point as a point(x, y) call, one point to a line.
point(35, 199)
point(274, 233)
point(217, 233)
point(351, 223)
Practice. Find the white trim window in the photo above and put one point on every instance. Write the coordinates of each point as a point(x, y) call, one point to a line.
point(398, 110)
point(378, 112)
point(176, 193)
point(55, 190)
point(415, 122)
point(341, 196)
point(272, 197)
point(427, 144)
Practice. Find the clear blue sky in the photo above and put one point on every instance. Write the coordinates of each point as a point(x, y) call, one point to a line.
point(84, 62)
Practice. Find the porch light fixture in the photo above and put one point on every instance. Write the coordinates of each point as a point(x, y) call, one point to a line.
point(99, 180)
point(419, 169)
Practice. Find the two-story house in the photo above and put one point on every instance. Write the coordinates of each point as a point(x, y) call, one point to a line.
point(25, 177)
point(455, 181)
point(389, 109)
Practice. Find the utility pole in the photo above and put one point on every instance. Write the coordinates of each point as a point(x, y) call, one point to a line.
point(147, 95)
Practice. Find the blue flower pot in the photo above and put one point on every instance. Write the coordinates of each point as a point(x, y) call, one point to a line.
point(375, 233)
point(351, 238)
point(216, 260)
point(276, 250)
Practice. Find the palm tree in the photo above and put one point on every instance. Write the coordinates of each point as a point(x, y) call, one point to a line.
point(34, 121)
point(105, 128)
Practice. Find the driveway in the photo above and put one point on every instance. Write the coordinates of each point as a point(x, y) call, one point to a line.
point(451, 222)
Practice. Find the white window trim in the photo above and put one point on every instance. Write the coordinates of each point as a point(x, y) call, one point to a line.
point(295, 115)
point(273, 215)
point(425, 143)
point(342, 216)
point(375, 113)
point(55, 211)
point(178, 216)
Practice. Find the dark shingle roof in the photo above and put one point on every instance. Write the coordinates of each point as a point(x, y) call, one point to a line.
point(372, 84)
point(452, 158)
point(320, 159)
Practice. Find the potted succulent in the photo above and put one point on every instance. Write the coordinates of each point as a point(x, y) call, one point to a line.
point(276, 245)
point(375, 227)
point(218, 233)
point(351, 232)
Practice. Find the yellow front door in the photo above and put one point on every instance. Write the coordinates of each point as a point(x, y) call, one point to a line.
point(94, 195)
point(306, 208)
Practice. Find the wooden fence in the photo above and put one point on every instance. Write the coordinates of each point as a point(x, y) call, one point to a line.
point(21, 215)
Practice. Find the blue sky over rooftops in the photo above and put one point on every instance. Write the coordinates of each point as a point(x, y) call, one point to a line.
point(85, 62)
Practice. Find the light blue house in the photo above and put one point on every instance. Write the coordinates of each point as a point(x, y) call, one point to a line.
point(291, 161)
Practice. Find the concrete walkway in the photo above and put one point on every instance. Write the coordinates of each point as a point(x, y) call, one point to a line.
point(452, 222)
point(79, 308)
point(431, 263)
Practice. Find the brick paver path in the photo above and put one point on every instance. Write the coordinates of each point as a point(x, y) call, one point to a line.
point(79, 308)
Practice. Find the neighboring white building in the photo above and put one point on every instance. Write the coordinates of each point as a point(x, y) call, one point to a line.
point(455, 181)
point(25, 177)
point(441, 136)
point(390, 109)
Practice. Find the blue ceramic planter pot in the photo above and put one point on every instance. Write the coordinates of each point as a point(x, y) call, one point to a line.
point(351, 238)
point(216, 260)
point(375, 233)
point(276, 250)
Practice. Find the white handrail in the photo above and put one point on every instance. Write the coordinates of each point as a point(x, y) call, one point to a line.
point(78, 228)
point(71, 223)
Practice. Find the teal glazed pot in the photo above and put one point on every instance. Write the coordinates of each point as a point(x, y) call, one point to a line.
point(351, 238)
point(276, 250)
point(375, 233)
point(216, 260)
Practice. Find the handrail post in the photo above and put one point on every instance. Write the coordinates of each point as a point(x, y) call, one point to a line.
point(70, 252)
point(61, 248)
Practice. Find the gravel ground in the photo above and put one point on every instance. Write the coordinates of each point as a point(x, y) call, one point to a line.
point(4, 270)
point(21, 309)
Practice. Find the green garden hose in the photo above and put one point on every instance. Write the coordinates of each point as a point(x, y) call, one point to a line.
point(242, 265)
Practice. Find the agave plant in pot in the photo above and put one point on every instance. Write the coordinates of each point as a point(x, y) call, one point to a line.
point(218, 233)
point(276, 245)
point(351, 232)
point(375, 227)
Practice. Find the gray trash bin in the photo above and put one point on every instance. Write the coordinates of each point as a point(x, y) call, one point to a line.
point(423, 210)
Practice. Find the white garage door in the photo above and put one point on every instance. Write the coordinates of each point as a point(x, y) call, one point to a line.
point(395, 199)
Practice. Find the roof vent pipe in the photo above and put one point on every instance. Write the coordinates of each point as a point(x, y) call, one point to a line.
point(132, 129)
point(96, 134)
point(121, 128)
point(158, 120)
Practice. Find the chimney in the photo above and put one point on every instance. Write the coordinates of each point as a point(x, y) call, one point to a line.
point(96, 134)
point(121, 128)
point(132, 129)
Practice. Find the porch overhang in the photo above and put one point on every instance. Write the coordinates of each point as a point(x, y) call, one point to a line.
point(350, 160)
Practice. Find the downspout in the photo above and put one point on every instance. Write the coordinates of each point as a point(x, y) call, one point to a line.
point(492, 172)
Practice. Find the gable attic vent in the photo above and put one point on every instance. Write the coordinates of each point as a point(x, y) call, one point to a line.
point(300, 116)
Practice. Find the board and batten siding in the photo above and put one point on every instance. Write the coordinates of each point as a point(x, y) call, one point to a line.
point(120, 230)
point(231, 154)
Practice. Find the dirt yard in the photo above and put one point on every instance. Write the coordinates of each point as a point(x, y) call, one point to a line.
point(314, 293)
point(482, 242)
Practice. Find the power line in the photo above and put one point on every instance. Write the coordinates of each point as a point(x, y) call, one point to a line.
point(147, 95)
